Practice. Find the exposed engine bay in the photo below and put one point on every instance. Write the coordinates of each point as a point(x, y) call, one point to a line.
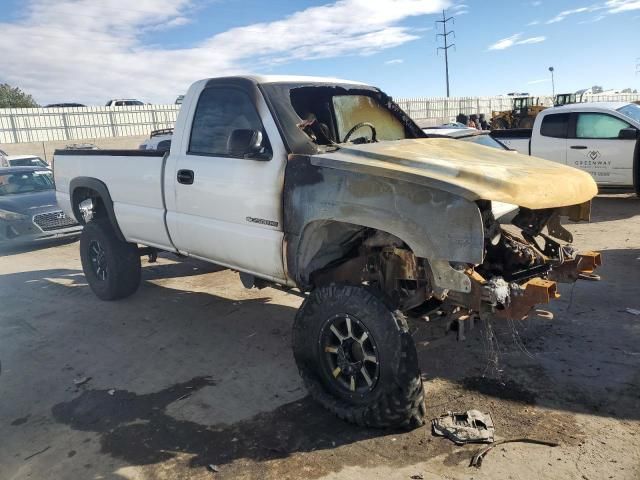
point(523, 261)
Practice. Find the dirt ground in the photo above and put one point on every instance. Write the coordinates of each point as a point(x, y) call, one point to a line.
point(194, 371)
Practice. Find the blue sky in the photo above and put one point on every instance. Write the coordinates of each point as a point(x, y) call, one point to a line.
point(90, 51)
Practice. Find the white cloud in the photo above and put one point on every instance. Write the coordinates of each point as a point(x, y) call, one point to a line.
point(532, 23)
point(83, 50)
point(541, 80)
point(607, 8)
point(459, 9)
point(617, 6)
point(565, 13)
point(395, 61)
point(513, 40)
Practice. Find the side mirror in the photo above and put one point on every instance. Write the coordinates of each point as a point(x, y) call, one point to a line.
point(244, 142)
point(629, 134)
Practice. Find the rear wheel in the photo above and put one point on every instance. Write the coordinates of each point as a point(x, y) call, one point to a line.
point(111, 266)
point(357, 358)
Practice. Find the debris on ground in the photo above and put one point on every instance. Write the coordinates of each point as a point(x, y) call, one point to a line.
point(111, 392)
point(81, 381)
point(417, 477)
point(186, 395)
point(633, 311)
point(38, 452)
point(213, 468)
point(476, 460)
point(471, 426)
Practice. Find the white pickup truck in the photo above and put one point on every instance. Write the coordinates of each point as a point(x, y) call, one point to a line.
point(601, 138)
point(327, 187)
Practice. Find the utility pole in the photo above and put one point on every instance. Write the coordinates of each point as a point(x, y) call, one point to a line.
point(445, 35)
point(553, 83)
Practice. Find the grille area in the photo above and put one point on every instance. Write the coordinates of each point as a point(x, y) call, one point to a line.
point(53, 221)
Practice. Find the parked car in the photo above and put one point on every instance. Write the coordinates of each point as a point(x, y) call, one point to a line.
point(466, 134)
point(159, 140)
point(64, 105)
point(328, 187)
point(22, 161)
point(601, 138)
point(28, 207)
point(123, 102)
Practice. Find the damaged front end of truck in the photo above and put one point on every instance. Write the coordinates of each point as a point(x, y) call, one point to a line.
point(523, 263)
point(437, 224)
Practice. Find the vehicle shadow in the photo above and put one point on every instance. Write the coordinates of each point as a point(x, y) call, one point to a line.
point(9, 249)
point(542, 364)
point(607, 207)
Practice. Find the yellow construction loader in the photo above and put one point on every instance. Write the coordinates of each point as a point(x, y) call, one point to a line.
point(522, 114)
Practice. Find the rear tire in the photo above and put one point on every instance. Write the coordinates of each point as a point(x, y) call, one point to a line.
point(390, 393)
point(111, 266)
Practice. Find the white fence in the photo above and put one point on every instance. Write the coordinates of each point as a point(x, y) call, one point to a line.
point(18, 125)
point(430, 111)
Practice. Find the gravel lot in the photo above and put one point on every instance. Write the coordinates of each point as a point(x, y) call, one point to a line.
point(194, 370)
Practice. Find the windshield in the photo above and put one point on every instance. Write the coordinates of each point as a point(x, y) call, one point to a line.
point(28, 162)
point(316, 117)
point(353, 110)
point(25, 182)
point(632, 111)
point(484, 139)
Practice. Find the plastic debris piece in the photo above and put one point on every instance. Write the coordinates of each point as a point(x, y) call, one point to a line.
point(632, 311)
point(471, 426)
point(213, 468)
point(81, 380)
point(476, 460)
point(111, 392)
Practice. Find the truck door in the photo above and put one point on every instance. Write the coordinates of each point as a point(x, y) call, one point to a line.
point(227, 206)
point(595, 147)
point(551, 142)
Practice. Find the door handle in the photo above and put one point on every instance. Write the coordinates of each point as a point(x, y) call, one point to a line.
point(578, 147)
point(185, 177)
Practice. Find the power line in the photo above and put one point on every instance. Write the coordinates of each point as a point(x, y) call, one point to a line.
point(445, 36)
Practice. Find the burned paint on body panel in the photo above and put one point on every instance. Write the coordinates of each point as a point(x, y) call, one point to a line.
point(435, 224)
point(471, 171)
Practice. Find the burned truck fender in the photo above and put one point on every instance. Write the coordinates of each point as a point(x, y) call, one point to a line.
point(326, 210)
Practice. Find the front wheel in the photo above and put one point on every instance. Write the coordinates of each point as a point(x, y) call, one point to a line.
point(357, 358)
point(111, 266)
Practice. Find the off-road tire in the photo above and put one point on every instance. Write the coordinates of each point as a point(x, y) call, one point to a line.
point(121, 259)
point(397, 399)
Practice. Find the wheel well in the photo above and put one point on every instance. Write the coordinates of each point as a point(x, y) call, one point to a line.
point(332, 251)
point(81, 194)
point(87, 188)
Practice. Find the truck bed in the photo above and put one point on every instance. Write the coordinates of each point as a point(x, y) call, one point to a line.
point(135, 184)
point(518, 139)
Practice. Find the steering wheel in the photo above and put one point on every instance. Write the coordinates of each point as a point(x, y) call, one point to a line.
point(358, 126)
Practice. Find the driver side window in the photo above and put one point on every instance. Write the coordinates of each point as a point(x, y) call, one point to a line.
point(219, 112)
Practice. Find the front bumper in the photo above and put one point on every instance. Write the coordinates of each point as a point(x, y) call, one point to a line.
point(24, 231)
